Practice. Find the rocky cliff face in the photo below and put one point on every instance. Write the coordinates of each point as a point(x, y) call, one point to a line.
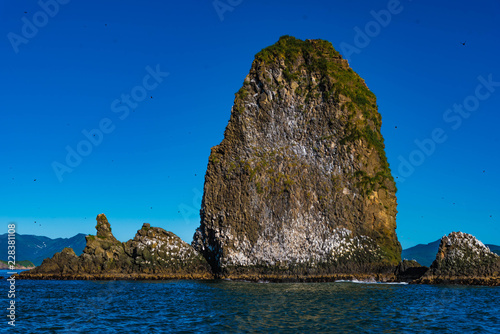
point(153, 254)
point(462, 258)
point(300, 185)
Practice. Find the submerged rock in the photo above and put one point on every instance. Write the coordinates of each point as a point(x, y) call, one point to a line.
point(153, 254)
point(300, 186)
point(462, 259)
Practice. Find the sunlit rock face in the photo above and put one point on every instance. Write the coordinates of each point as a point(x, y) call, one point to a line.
point(461, 254)
point(300, 184)
point(153, 254)
point(462, 259)
point(154, 250)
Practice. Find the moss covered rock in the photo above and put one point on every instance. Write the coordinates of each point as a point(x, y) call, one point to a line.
point(153, 254)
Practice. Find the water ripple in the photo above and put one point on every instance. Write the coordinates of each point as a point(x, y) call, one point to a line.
point(225, 306)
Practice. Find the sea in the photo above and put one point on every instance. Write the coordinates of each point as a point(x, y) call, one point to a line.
point(222, 306)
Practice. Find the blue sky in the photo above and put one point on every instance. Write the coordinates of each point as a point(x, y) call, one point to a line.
point(66, 68)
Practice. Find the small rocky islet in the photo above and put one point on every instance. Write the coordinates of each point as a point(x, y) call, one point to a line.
point(298, 190)
point(153, 254)
point(462, 259)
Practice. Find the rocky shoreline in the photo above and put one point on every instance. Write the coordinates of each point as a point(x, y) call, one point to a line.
point(432, 280)
point(114, 276)
point(482, 265)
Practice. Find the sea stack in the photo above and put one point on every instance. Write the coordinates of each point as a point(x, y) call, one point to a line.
point(462, 259)
point(300, 186)
point(153, 254)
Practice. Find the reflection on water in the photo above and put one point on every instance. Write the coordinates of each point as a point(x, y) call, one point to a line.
point(226, 306)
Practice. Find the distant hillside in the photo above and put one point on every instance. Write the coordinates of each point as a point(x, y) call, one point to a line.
point(426, 254)
point(19, 265)
point(423, 254)
point(494, 248)
point(36, 248)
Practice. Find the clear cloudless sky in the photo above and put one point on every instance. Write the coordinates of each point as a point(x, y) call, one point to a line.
point(65, 77)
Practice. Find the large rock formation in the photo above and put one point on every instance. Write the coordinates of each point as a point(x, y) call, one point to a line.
point(462, 259)
point(153, 254)
point(300, 185)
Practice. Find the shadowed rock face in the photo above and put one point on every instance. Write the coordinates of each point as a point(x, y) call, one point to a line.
point(300, 185)
point(153, 253)
point(409, 270)
point(462, 258)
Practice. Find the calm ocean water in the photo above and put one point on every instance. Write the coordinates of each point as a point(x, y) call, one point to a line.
point(225, 306)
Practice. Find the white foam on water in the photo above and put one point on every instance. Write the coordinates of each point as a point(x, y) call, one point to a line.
point(370, 282)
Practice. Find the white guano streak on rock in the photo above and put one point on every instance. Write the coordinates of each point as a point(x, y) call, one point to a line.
point(288, 247)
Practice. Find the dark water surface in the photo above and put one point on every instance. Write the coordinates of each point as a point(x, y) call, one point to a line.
point(225, 306)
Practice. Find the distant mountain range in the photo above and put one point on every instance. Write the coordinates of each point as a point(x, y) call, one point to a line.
point(36, 248)
point(426, 254)
point(19, 265)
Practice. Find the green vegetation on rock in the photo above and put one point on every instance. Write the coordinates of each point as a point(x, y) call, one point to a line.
point(19, 264)
point(153, 253)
